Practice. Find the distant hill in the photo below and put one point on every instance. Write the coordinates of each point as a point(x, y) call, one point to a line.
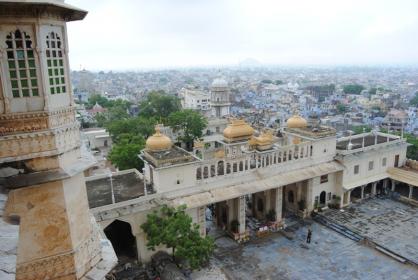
point(250, 62)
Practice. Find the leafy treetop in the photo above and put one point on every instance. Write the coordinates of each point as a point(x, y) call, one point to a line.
point(159, 105)
point(353, 89)
point(173, 228)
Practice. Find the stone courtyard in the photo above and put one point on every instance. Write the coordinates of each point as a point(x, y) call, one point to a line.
point(387, 222)
point(329, 256)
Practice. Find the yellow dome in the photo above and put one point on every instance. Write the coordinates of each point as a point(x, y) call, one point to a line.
point(296, 122)
point(158, 141)
point(238, 129)
point(265, 138)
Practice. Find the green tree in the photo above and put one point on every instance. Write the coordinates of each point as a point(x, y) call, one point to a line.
point(124, 153)
point(173, 228)
point(372, 91)
point(341, 108)
point(412, 151)
point(113, 113)
point(136, 126)
point(361, 129)
point(160, 105)
point(190, 123)
point(99, 99)
point(353, 89)
point(101, 119)
point(414, 101)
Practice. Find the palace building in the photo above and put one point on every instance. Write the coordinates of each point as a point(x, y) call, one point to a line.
point(241, 173)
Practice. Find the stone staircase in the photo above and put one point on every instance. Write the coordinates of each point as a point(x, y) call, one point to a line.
point(338, 228)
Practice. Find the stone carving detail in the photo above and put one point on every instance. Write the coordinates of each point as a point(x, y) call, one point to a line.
point(48, 268)
point(62, 265)
point(29, 145)
point(35, 121)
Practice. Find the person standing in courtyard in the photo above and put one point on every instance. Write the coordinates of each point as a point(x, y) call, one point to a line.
point(308, 237)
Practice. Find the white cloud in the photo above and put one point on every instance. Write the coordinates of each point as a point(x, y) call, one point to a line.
point(164, 33)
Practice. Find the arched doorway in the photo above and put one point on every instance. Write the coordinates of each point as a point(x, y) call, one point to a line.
point(120, 235)
point(379, 188)
point(322, 198)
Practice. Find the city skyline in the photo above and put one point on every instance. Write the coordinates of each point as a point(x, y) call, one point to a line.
point(164, 34)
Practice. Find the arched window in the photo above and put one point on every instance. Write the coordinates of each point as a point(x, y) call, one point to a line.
point(199, 173)
point(212, 171)
point(221, 168)
point(55, 62)
point(22, 65)
point(205, 172)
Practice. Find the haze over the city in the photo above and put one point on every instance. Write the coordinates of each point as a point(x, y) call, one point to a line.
point(165, 34)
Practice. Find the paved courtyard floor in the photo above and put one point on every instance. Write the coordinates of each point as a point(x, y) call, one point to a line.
point(329, 256)
point(389, 223)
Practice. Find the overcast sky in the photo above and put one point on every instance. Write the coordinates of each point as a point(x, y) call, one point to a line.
point(122, 34)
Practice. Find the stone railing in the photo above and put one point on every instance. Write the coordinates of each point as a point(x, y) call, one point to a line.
point(252, 161)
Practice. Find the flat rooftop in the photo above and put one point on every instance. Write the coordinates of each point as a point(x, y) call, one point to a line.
point(173, 156)
point(126, 186)
point(369, 140)
point(313, 132)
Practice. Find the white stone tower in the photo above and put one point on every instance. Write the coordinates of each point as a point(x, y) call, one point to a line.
point(39, 136)
point(219, 96)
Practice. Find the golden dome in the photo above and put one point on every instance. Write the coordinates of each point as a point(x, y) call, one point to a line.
point(158, 141)
point(296, 122)
point(238, 129)
point(265, 138)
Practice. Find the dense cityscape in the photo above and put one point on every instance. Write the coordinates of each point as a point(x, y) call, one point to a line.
point(247, 170)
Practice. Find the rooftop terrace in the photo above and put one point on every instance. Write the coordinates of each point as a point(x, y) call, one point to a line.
point(365, 140)
point(313, 132)
point(107, 189)
point(173, 156)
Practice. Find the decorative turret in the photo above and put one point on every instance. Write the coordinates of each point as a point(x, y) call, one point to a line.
point(262, 142)
point(296, 122)
point(238, 130)
point(158, 141)
point(219, 98)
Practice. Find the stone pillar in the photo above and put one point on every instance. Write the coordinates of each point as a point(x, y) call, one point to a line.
point(362, 192)
point(240, 201)
point(393, 183)
point(279, 203)
point(411, 188)
point(144, 255)
point(298, 193)
point(385, 185)
point(348, 197)
point(309, 199)
point(374, 188)
point(231, 212)
point(201, 220)
point(56, 237)
point(267, 201)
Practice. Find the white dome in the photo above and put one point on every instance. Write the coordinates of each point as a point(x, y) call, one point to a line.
point(219, 82)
